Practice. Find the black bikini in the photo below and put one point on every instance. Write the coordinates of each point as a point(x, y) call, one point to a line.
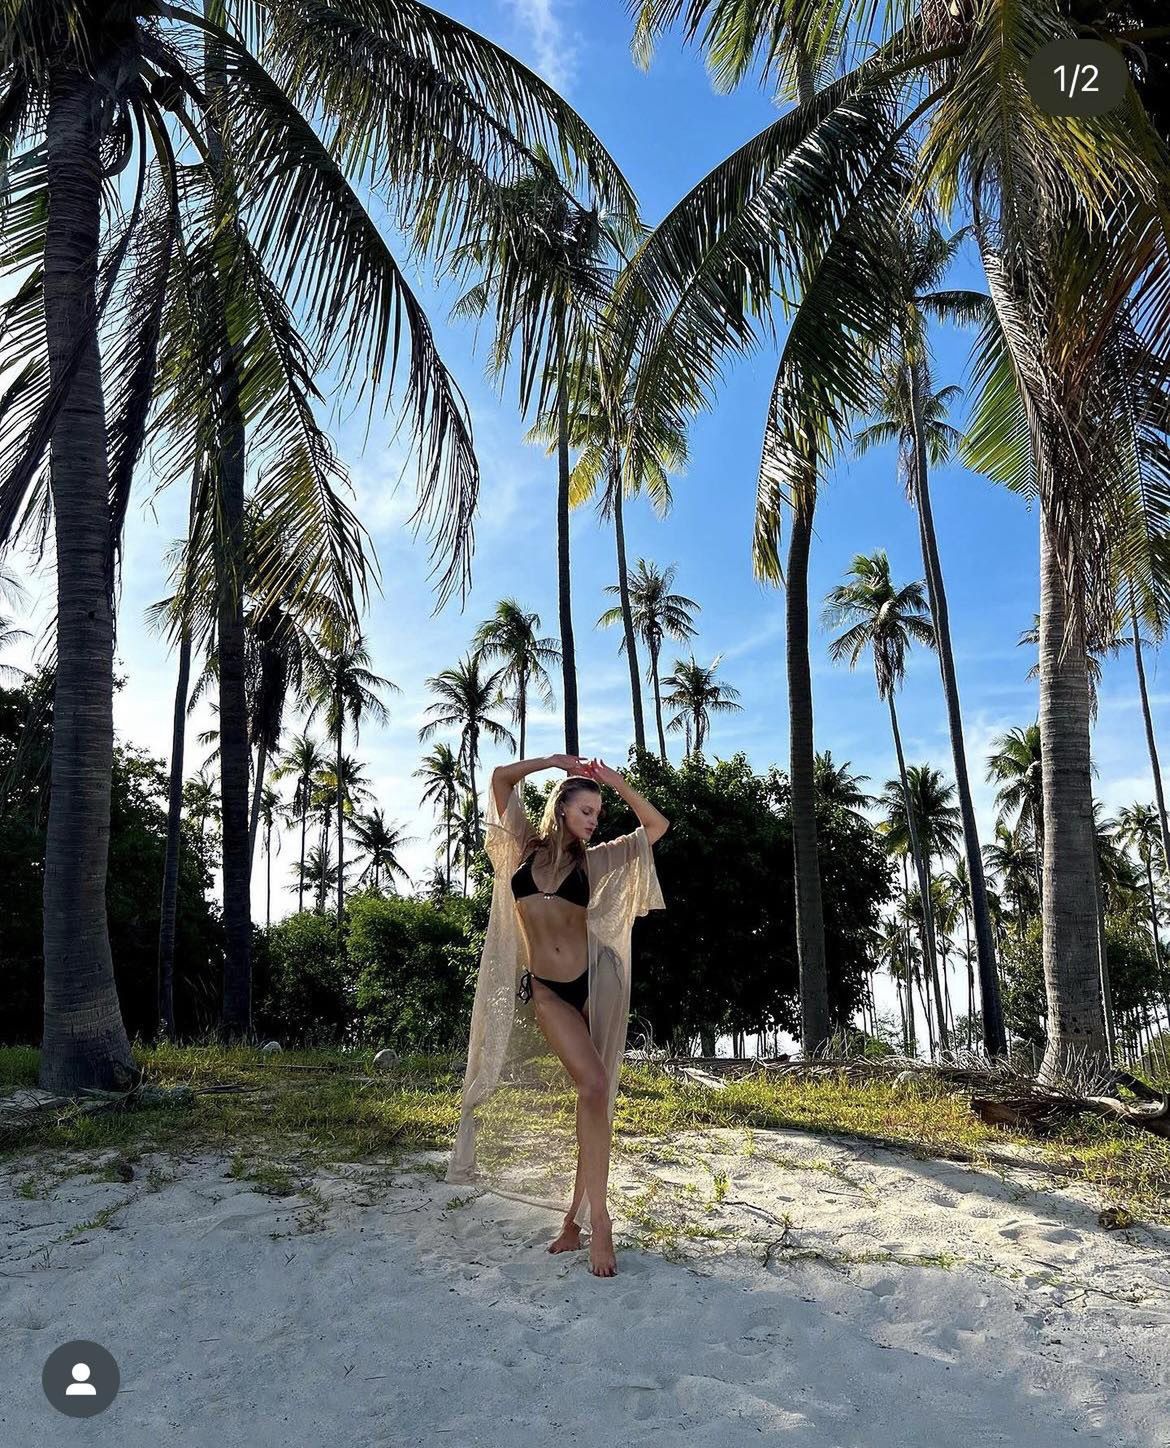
point(574, 888)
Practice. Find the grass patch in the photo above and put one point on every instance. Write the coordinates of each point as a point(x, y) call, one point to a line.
point(283, 1119)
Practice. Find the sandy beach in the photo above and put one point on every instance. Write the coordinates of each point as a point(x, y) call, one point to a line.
point(904, 1301)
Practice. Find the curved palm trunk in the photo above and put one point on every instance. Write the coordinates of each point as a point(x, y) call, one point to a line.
point(170, 891)
point(84, 1041)
point(994, 1034)
point(922, 869)
point(627, 611)
point(810, 925)
point(1076, 1024)
point(257, 788)
point(568, 651)
point(1151, 742)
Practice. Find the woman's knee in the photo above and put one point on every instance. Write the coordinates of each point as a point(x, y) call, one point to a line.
point(593, 1089)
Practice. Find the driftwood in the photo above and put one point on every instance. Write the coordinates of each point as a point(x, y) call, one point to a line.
point(1041, 1110)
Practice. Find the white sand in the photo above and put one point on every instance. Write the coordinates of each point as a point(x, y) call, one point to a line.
point(386, 1317)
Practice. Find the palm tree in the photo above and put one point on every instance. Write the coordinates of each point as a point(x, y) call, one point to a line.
point(303, 761)
point(512, 634)
point(1011, 858)
point(543, 260)
point(657, 614)
point(341, 787)
point(695, 694)
point(837, 787)
point(1015, 761)
point(380, 843)
point(340, 686)
point(467, 836)
point(11, 591)
point(921, 809)
point(318, 874)
point(78, 91)
point(1137, 827)
point(1067, 229)
point(201, 801)
point(885, 620)
point(445, 779)
point(913, 413)
point(465, 695)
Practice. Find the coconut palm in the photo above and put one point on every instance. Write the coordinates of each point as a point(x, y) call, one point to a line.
point(1093, 657)
point(467, 834)
point(201, 802)
point(657, 614)
point(302, 762)
point(341, 687)
point(544, 262)
point(465, 696)
point(839, 788)
point(445, 780)
point(885, 620)
point(272, 812)
point(915, 415)
point(1067, 230)
point(1136, 827)
point(1015, 761)
point(512, 635)
point(379, 843)
point(695, 694)
point(1011, 858)
point(318, 875)
point(11, 591)
point(342, 786)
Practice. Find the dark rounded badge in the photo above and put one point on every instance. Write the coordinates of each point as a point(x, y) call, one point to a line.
point(1077, 77)
point(80, 1379)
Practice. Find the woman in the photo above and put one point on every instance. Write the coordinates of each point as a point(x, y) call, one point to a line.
point(562, 913)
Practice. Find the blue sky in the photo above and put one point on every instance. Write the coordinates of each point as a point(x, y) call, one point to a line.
point(666, 128)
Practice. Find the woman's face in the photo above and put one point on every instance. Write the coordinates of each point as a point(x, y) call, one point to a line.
point(582, 811)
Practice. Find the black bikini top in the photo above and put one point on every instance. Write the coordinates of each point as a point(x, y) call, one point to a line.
point(574, 887)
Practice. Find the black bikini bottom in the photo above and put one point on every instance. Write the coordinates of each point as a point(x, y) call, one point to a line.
point(576, 992)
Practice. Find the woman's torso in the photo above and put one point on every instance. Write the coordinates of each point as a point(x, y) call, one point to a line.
point(554, 927)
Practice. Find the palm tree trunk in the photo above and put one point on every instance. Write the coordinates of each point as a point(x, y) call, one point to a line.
point(568, 652)
point(233, 704)
point(84, 1041)
point(304, 827)
point(168, 911)
point(268, 864)
point(448, 813)
point(340, 835)
point(1103, 961)
point(657, 701)
point(810, 925)
point(522, 706)
point(994, 1035)
point(627, 611)
point(1076, 1024)
point(1151, 742)
point(921, 866)
point(257, 789)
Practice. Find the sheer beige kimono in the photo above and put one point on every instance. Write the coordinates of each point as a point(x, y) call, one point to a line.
point(526, 1132)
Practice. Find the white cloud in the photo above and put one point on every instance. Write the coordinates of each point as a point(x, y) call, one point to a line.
point(555, 57)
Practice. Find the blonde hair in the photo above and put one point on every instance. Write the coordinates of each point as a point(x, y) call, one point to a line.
point(552, 836)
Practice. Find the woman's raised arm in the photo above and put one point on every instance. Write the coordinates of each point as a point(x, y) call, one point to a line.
point(506, 776)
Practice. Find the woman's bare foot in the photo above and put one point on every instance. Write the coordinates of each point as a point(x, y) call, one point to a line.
point(569, 1240)
point(602, 1262)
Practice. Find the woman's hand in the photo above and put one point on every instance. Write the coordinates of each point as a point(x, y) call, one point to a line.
point(570, 763)
point(601, 772)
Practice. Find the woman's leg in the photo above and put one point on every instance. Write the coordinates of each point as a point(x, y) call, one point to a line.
point(564, 1027)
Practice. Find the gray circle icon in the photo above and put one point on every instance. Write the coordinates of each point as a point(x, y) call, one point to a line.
point(80, 1379)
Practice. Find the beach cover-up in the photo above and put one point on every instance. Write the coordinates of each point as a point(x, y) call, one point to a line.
point(517, 1127)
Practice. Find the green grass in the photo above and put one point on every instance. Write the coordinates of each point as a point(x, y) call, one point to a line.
point(285, 1121)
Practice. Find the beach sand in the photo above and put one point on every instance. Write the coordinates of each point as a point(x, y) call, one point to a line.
point(390, 1308)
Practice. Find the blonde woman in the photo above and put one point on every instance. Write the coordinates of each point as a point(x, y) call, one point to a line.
point(564, 909)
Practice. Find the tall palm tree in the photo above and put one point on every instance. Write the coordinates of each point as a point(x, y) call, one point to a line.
point(924, 810)
point(513, 635)
point(467, 834)
point(915, 414)
point(465, 696)
point(1011, 858)
point(445, 780)
point(544, 261)
point(886, 620)
point(341, 687)
point(380, 843)
point(1137, 827)
point(695, 694)
point(86, 85)
point(318, 875)
point(1015, 761)
point(302, 761)
point(838, 787)
point(341, 787)
point(1068, 228)
point(657, 614)
point(201, 801)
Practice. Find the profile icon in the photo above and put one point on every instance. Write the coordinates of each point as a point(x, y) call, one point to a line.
point(80, 1387)
point(80, 1379)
